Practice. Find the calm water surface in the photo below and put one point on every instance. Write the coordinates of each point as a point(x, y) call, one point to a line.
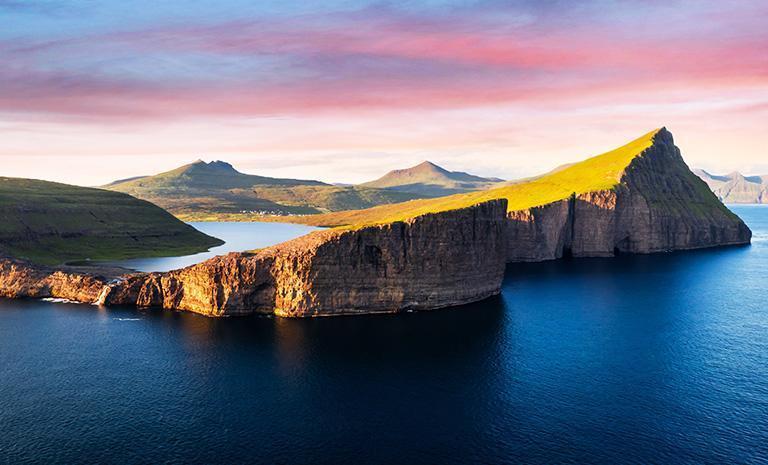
point(655, 359)
point(237, 237)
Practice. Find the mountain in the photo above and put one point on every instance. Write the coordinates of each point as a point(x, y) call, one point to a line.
point(735, 187)
point(200, 189)
point(199, 174)
point(430, 180)
point(51, 223)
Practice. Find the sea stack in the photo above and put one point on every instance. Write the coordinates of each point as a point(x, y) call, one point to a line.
point(658, 205)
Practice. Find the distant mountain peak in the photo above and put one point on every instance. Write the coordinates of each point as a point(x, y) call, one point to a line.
point(429, 164)
point(212, 175)
point(214, 167)
point(221, 165)
point(431, 179)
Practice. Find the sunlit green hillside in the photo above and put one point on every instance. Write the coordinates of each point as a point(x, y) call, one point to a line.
point(596, 173)
point(52, 223)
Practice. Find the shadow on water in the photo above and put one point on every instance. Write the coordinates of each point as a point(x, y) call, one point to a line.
point(413, 337)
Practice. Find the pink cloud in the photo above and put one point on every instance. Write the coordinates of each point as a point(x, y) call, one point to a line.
point(356, 63)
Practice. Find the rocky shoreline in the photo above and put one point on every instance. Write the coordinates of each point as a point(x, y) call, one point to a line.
point(432, 261)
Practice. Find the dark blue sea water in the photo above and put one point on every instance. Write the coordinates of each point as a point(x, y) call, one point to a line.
point(650, 359)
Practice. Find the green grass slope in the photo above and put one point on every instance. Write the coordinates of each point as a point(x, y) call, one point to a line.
point(209, 191)
point(597, 173)
point(52, 223)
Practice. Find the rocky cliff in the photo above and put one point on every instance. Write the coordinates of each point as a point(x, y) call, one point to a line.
point(659, 205)
point(20, 278)
point(640, 198)
point(432, 261)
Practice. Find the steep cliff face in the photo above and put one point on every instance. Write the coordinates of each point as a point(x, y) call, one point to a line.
point(659, 205)
point(432, 261)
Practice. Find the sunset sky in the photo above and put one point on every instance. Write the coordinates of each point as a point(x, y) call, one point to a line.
point(91, 91)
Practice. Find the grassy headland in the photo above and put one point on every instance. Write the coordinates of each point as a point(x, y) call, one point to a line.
point(52, 223)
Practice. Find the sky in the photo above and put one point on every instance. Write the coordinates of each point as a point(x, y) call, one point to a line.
point(343, 91)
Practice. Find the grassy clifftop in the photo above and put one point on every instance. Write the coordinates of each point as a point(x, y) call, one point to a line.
point(52, 223)
point(597, 173)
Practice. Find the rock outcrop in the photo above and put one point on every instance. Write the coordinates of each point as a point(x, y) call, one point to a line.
point(659, 205)
point(438, 259)
point(21, 279)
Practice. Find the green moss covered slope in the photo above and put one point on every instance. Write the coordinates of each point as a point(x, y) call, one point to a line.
point(52, 223)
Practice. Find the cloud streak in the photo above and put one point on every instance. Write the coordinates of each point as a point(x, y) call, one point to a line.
point(381, 60)
point(517, 86)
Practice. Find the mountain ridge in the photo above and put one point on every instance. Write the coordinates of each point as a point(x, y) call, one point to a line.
point(735, 187)
point(199, 189)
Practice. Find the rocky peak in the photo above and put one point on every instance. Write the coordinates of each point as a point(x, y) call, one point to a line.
point(428, 166)
point(664, 136)
point(215, 167)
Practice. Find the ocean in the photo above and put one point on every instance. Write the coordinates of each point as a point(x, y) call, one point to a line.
point(636, 359)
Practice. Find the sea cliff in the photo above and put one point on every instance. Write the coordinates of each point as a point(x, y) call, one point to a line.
point(434, 253)
point(431, 261)
point(659, 205)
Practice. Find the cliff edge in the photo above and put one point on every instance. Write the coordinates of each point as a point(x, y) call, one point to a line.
point(427, 262)
point(657, 205)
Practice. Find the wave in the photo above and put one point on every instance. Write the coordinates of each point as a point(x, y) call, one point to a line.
point(58, 300)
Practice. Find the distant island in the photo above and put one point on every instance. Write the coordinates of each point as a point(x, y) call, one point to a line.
point(735, 187)
point(431, 253)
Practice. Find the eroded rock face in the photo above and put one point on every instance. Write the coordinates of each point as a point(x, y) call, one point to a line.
point(433, 261)
point(21, 279)
point(659, 206)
